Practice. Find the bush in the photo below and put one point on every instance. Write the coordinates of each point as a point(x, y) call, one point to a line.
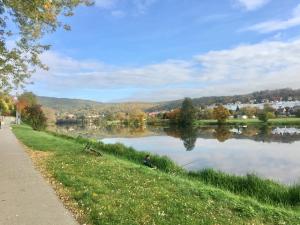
point(36, 117)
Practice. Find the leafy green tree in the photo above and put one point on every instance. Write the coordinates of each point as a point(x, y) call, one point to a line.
point(268, 108)
point(187, 112)
point(29, 97)
point(221, 114)
point(31, 20)
point(36, 117)
point(267, 113)
point(262, 116)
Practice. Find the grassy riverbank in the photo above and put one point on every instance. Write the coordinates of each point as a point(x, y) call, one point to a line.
point(117, 189)
point(276, 121)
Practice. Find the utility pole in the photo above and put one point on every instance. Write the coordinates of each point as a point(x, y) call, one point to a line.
point(18, 115)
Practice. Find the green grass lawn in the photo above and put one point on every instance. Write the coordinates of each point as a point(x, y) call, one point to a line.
point(276, 121)
point(115, 190)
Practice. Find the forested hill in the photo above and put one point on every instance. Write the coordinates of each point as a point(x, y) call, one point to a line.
point(66, 104)
point(271, 95)
point(88, 106)
point(78, 105)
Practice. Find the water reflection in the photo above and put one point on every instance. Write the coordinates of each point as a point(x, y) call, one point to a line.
point(272, 152)
point(187, 134)
point(222, 133)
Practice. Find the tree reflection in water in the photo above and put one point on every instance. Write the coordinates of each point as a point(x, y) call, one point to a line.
point(222, 133)
point(265, 133)
point(187, 134)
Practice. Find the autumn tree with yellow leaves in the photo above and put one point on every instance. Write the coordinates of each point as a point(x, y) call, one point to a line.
point(32, 20)
point(221, 114)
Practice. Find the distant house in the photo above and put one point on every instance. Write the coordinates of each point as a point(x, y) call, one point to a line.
point(265, 100)
point(152, 114)
point(296, 108)
point(70, 116)
point(281, 111)
point(244, 117)
point(93, 116)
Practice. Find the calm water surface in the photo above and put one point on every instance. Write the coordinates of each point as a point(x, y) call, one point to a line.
point(270, 152)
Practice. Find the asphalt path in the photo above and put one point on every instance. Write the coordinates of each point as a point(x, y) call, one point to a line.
point(25, 197)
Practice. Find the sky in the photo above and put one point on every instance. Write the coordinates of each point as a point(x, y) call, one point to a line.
point(158, 50)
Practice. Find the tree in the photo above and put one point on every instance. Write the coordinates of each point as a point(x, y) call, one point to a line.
point(137, 117)
point(268, 108)
point(121, 116)
point(206, 114)
point(249, 111)
point(187, 112)
point(25, 100)
point(6, 104)
point(4, 109)
point(221, 114)
point(262, 116)
point(267, 113)
point(36, 117)
point(173, 116)
point(29, 97)
point(32, 20)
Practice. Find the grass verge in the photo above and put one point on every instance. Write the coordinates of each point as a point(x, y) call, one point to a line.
point(115, 189)
point(263, 190)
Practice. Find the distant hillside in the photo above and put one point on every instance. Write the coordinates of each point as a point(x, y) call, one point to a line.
point(66, 104)
point(271, 95)
point(88, 106)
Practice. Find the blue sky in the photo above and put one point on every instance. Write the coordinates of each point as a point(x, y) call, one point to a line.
point(154, 50)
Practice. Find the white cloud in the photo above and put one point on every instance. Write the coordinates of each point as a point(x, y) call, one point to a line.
point(121, 8)
point(118, 13)
point(106, 4)
point(252, 4)
point(277, 25)
point(242, 69)
point(143, 5)
point(68, 72)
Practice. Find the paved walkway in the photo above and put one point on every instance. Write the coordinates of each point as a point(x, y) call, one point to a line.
point(25, 197)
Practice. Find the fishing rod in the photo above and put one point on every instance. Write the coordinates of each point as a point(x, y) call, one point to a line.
point(190, 162)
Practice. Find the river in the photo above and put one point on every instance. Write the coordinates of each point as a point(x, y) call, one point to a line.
point(270, 152)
